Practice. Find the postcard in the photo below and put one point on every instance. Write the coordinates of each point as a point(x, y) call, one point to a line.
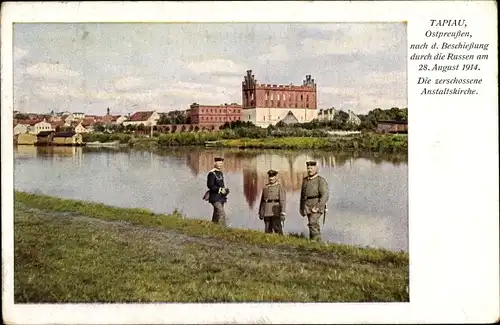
point(249, 162)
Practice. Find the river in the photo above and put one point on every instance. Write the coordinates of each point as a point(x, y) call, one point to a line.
point(368, 203)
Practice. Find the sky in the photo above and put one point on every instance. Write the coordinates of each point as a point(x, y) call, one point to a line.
point(88, 67)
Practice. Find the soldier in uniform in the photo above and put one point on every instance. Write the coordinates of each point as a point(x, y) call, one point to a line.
point(217, 191)
point(273, 204)
point(313, 198)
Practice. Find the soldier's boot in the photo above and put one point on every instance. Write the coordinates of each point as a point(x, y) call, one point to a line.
point(277, 225)
point(314, 228)
point(268, 227)
point(219, 216)
point(316, 237)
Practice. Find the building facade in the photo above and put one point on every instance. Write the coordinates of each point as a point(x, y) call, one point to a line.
point(353, 118)
point(21, 128)
point(41, 126)
point(327, 114)
point(146, 118)
point(265, 104)
point(213, 115)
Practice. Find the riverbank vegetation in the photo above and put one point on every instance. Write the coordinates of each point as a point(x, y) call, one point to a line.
point(70, 251)
point(316, 134)
point(260, 139)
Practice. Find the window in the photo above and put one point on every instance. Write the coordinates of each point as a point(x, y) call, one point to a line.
point(301, 97)
point(267, 95)
point(272, 97)
point(284, 97)
point(278, 96)
point(307, 105)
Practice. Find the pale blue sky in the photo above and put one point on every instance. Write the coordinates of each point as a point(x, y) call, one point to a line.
point(89, 67)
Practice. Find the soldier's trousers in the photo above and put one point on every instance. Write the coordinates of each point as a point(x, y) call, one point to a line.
point(273, 224)
point(314, 227)
point(219, 215)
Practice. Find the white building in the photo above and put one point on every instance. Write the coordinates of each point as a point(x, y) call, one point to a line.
point(81, 129)
point(146, 118)
point(21, 128)
point(327, 114)
point(78, 115)
point(41, 126)
point(264, 116)
point(353, 118)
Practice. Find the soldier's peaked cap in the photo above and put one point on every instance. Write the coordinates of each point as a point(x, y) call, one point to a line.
point(218, 159)
point(272, 172)
point(311, 163)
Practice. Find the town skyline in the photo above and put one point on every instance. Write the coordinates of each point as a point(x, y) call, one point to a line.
point(165, 67)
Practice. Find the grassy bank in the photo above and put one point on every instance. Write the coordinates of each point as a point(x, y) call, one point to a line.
point(73, 251)
point(371, 142)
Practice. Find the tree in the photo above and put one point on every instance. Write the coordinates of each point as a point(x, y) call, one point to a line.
point(21, 116)
point(99, 128)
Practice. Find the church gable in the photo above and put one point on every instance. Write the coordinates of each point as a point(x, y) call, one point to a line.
point(290, 118)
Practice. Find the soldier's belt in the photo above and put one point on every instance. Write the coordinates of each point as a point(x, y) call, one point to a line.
point(276, 201)
point(313, 197)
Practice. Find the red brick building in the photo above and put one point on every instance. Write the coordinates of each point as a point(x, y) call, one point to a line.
point(213, 115)
point(265, 104)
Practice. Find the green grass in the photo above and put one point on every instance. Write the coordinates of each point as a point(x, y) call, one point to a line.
point(73, 251)
point(277, 143)
point(260, 139)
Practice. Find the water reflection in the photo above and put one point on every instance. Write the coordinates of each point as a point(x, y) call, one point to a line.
point(368, 204)
point(51, 153)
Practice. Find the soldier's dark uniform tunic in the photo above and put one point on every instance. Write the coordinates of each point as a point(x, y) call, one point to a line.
point(314, 193)
point(215, 182)
point(272, 207)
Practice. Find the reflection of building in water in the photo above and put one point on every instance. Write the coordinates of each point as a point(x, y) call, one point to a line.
point(291, 172)
point(58, 152)
point(203, 161)
point(26, 151)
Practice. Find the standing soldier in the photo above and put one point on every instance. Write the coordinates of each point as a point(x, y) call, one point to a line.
point(313, 198)
point(273, 204)
point(217, 192)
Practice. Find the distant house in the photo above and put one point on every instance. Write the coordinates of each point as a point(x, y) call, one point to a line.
point(78, 115)
point(41, 126)
point(44, 137)
point(81, 129)
point(146, 118)
point(67, 139)
point(88, 123)
point(54, 118)
point(326, 114)
point(113, 119)
point(353, 118)
point(22, 127)
point(56, 125)
point(392, 126)
point(67, 119)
